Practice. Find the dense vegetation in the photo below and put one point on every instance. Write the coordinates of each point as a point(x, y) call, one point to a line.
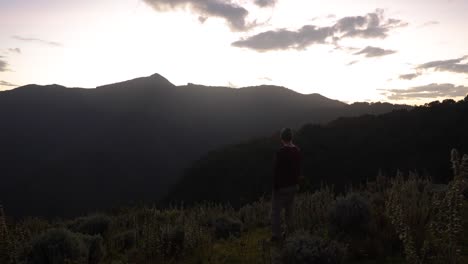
point(404, 219)
point(126, 142)
point(343, 152)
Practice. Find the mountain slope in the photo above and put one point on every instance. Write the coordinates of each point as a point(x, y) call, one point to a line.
point(65, 151)
point(345, 151)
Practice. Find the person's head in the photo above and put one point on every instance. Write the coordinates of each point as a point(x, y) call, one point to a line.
point(286, 135)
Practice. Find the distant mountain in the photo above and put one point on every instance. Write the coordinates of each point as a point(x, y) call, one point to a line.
point(343, 152)
point(68, 150)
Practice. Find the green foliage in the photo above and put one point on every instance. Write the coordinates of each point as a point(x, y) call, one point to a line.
point(225, 227)
point(256, 214)
point(382, 240)
point(91, 225)
point(94, 244)
point(57, 246)
point(350, 216)
point(250, 248)
point(124, 241)
point(311, 210)
point(5, 240)
point(409, 206)
point(446, 223)
point(428, 222)
point(302, 248)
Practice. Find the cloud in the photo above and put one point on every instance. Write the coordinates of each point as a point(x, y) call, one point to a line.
point(266, 79)
point(409, 76)
point(265, 3)
point(285, 39)
point(41, 41)
point(374, 52)
point(4, 83)
point(430, 23)
point(453, 65)
point(15, 50)
point(234, 14)
point(3, 65)
point(433, 90)
point(372, 25)
point(352, 63)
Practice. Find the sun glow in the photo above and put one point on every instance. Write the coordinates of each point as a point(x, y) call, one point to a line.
point(112, 41)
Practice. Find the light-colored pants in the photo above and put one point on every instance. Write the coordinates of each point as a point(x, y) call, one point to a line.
point(282, 198)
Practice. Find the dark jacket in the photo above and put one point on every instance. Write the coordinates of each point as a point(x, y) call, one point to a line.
point(287, 167)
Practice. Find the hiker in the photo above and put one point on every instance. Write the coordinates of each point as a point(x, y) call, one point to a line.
point(287, 171)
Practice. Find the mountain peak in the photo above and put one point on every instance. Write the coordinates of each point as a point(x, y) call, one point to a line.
point(157, 75)
point(145, 83)
point(160, 79)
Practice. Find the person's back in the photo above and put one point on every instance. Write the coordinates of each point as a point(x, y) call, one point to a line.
point(287, 167)
point(287, 172)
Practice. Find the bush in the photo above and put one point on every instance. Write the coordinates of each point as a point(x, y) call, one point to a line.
point(311, 210)
point(409, 206)
point(91, 225)
point(382, 240)
point(125, 240)
point(256, 214)
point(302, 248)
point(173, 240)
point(350, 216)
point(95, 247)
point(225, 226)
point(57, 246)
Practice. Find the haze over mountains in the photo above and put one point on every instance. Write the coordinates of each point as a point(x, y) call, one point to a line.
point(64, 151)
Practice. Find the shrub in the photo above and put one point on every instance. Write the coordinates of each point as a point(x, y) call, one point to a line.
point(225, 226)
point(95, 247)
point(302, 248)
point(172, 240)
point(350, 216)
point(311, 210)
point(382, 240)
point(57, 246)
point(5, 241)
point(427, 220)
point(91, 225)
point(124, 241)
point(256, 214)
point(409, 205)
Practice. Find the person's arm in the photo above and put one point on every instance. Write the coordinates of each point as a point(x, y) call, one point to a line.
point(301, 171)
point(276, 170)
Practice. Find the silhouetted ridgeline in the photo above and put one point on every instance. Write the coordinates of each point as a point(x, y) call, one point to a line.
point(64, 151)
point(345, 151)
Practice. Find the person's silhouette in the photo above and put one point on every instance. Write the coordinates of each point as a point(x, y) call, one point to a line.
point(287, 171)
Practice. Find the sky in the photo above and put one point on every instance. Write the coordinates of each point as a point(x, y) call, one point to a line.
point(396, 51)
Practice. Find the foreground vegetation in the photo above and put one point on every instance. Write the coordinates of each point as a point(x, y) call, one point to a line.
point(403, 219)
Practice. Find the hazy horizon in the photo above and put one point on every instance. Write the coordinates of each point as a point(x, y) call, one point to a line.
point(399, 52)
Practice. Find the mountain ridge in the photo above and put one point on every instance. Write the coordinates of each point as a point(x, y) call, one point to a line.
point(162, 80)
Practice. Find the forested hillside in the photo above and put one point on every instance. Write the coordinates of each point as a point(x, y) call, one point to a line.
point(343, 152)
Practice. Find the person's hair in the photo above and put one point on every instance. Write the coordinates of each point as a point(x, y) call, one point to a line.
point(286, 134)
